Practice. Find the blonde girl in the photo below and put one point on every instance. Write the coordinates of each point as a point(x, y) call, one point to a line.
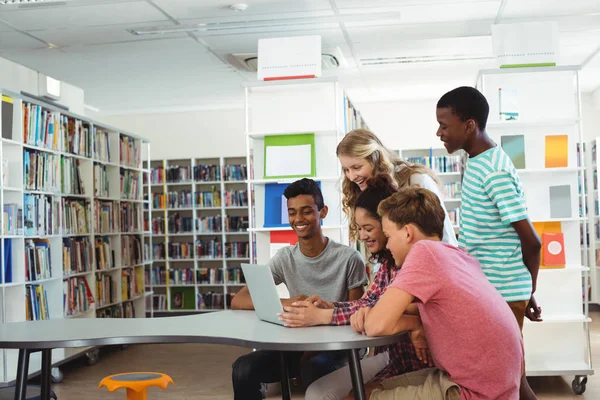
point(363, 156)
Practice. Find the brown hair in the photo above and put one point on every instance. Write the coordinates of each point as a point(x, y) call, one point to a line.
point(415, 205)
point(362, 143)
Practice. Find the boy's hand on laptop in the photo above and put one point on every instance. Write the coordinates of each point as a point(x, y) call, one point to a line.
point(319, 302)
point(305, 313)
point(533, 311)
point(290, 301)
point(357, 320)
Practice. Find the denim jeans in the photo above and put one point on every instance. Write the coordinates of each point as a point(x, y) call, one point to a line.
point(263, 366)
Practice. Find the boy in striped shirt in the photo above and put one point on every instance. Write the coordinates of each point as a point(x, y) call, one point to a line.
point(494, 225)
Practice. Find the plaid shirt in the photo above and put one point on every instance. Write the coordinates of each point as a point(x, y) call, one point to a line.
point(403, 357)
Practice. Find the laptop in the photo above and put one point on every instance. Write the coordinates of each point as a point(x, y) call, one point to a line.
point(263, 292)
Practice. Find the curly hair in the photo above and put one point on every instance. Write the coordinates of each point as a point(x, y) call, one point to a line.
point(362, 143)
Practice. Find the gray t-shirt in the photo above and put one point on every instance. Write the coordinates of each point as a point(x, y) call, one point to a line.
point(330, 275)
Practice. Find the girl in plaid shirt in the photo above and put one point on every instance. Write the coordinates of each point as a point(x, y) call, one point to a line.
point(388, 361)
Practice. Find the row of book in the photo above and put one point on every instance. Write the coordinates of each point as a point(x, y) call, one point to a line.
point(101, 145)
point(106, 216)
point(185, 199)
point(130, 151)
point(132, 251)
point(77, 296)
point(43, 128)
point(42, 215)
point(130, 185)
point(440, 164)
point(101, 181)
point(105, 253)
point(37, 260)
point(237, 250)
point(77, 255)
point(41, 171)
point(236, 198)
point(179, 199)
point(453, 215)
point(125, 310)
point(36, 303)
point(181, 276)
point(214, 301)
point(235, 172)
point(132, 283)
point(106, 290)
point(131, 217)
point(155, 276)
point(71, 176)
point(12, 220)
point(453, 190)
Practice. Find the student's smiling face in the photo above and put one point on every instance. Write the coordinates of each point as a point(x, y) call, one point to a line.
point(369, 230)
point(398, 242)
point(453, 132)
point(304, 216)
point(357, 170)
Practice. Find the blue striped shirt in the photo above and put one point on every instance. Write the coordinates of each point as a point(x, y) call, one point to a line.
point(492, 199)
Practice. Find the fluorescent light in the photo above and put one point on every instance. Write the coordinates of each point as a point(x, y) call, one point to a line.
point(268, 23)
point(17, 2)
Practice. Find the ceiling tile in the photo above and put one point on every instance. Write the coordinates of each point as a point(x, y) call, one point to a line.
point(69, 16)
point(188, 9)
point(548, 8)
point(18, 41)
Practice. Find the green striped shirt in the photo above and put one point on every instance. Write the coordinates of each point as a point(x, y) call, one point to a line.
point(492, 199)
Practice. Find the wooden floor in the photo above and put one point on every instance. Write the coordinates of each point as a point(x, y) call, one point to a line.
point(204, 372)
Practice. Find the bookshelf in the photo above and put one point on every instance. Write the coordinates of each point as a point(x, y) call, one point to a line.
point(545, 152)
point(590, 195)
point(199, 221)
point(73, 244)
point(313, 112)
point(448, 169)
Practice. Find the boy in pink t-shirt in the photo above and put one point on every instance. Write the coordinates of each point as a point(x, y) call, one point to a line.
point(465, 329)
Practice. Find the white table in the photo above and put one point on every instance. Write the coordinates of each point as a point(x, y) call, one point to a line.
point(237, 328)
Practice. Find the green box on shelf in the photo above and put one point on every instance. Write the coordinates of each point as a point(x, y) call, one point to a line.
point(183, 298)
point(286, 157)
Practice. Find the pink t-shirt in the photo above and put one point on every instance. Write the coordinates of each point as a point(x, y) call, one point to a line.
point(471, 331)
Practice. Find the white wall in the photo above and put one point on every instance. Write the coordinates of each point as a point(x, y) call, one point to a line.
point(18, 78)
point(591, 117)
point(208, 133)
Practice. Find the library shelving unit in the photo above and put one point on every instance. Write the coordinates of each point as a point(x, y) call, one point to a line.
point(535, 114)
point(73, 244)
point(312, 115)
point(592, 198)
point(448, 169)
point(199, 222)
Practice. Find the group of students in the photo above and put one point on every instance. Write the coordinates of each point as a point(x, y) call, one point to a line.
point(461, 303)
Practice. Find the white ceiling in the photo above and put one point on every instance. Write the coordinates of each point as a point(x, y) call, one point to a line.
point(87, 43)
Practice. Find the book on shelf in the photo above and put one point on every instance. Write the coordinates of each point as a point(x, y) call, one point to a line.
point(179, 199)
point(212, 224)
point(553, 247)
point(209, 249)
point(514, 147)
point(210, 276)
point(560, 201)
point(234, 276)
point(43, 128)
point(158, 225)
point(177, 173)
point(157, 175)
point(106, 217)
point(236, 172)
point(131, 250)
point(42, 215)
point(181, 251)
point(181, 276)
point(76, 217)
point(557, 154)
point(439, 164)
point(236, 198)
point(78, 297)
point(158, 252)
point(214, 300)
point(131, 217)
point(101, 145)
point(159, 201)
point(208, 198)
point(207, 173)
point(106, 290)
point(237, 250)
point(12, 219)
point(130, 185)
point(159, 302)
point(156, 276)
point(7, 116)
point(453, 190)
point(131, 283)
point(177, 224)
point(101, 184)
point(115, 311)
point(7, 262)
point(36, 303)
point(77, 255)
point(129, 151)
point(105, 254)
point(78, 140)
point(508, 101)
point(290, 156)
point(5, 172)
point(236, 223)
point(37, 260)
point(71, 176)
point(41, 171)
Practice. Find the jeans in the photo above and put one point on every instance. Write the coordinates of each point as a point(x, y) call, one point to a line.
point(264, 366)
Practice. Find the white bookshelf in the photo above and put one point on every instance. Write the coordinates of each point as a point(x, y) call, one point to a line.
point(128, 295)
point(590, 195)
point(448, 169)
point(549, 104)
point(219, 194)
point(316, 106)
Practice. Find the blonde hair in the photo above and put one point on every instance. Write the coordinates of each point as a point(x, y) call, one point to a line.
point(415, 205)
point(364, 144)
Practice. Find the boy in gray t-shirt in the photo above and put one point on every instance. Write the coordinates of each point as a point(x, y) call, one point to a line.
point(315, 265)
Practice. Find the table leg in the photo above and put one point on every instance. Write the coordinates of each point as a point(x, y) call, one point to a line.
point(286, 393)
point(22, 372)
point(46, 376)
point(356, 375)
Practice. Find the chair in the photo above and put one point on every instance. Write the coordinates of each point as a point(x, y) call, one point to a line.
point(136, 383)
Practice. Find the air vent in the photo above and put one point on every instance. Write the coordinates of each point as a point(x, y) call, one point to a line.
point(330, 59)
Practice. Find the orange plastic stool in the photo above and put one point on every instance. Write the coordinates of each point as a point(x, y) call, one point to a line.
point(136, 383)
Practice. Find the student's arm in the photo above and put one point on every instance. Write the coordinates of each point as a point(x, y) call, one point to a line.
point(387, 318)
point(356, 293)
point(530, 246)
point(242, 300)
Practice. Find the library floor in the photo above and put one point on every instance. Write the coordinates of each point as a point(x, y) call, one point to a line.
point(204, 372)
